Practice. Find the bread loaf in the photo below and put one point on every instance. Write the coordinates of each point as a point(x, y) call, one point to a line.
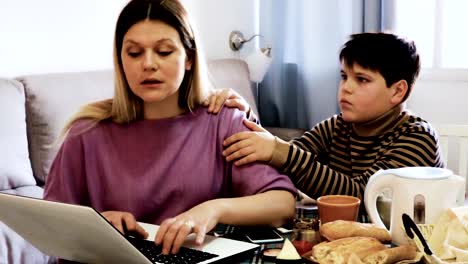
point(341, 229)
point(340, 250)
point(392, 255)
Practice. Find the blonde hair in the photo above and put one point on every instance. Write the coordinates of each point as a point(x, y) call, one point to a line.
point(125, 106)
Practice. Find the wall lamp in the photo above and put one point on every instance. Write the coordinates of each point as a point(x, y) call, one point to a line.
point(258, 61)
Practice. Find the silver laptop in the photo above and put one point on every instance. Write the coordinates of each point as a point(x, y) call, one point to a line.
point(80, 233)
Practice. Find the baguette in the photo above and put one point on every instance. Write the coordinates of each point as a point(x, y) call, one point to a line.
point(341, 229)
point(392, 255)
point(340, 250)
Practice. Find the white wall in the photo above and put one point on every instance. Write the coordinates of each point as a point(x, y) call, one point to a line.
point(41, 36)
point(56, 35)
point(217, 18)
point(440, 101)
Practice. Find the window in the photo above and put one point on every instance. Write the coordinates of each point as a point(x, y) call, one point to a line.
point(438, 28)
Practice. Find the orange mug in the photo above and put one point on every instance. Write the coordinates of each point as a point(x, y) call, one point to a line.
point(338, 207)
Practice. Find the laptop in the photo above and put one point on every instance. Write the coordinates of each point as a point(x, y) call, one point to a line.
point(82, 234)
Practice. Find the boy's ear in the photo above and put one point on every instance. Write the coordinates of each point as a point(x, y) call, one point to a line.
point(399, 90)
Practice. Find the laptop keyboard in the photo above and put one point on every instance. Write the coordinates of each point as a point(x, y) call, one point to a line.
point(185, 255)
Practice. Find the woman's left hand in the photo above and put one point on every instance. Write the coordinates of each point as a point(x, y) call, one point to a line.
point(199, 220)
point(227, 97)
point(125, 222)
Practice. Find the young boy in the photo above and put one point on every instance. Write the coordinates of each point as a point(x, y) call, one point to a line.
point(372, 132)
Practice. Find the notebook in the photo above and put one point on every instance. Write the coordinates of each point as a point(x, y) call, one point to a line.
point(80, 233)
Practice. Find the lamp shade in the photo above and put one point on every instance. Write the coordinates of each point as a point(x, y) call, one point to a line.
point(259, 61)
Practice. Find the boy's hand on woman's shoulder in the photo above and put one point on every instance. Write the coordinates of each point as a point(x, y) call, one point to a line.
point(249, 146)
point(228, 97)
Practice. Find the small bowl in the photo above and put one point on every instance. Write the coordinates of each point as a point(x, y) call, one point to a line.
point(270, 254)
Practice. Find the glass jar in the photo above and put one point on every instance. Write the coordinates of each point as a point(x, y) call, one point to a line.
point(305, 234)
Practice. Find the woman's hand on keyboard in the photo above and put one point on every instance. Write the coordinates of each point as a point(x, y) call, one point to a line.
point(125, 222)
point(199, 220)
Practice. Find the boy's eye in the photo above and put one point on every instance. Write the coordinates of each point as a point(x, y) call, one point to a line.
point(343, 76)
point(363, 80)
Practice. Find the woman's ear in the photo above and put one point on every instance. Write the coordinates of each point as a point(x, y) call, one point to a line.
point(189, 61)
point(400, 89)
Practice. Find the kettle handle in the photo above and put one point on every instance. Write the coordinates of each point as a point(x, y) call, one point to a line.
point(460, 184)
point(375, 186)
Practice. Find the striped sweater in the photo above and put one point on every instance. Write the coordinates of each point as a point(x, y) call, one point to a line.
point(338, 157)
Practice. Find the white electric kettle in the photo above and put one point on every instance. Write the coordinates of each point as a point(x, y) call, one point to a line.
point(421, 192)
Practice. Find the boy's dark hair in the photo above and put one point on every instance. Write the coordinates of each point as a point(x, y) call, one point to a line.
point(393, 57)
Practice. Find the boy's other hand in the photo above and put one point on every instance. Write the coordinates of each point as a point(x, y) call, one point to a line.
point(218, 98)
point(249, 146)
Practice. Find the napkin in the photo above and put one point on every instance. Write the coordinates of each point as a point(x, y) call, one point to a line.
point(449, 239)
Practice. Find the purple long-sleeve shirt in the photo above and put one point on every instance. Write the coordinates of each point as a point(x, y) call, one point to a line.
point(155, 169)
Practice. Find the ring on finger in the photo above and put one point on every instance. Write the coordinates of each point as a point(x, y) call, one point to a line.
point(189, 223)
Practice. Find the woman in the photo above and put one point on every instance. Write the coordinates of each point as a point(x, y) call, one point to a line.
point(153, 153)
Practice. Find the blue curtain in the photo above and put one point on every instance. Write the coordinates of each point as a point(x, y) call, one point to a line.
point(301, 86)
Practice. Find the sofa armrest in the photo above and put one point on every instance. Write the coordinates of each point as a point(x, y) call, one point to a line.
point(286, 133)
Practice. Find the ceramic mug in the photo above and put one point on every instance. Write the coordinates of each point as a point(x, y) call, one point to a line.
point(338, 207)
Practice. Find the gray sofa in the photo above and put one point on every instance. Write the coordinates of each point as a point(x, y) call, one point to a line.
point(33, 111)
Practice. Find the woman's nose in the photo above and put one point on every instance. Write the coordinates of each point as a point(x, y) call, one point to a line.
point(149, 62)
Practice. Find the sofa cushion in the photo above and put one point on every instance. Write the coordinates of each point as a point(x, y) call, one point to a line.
point(15, 166)
point(33, 191)
point(51, 99)
point(234, 74)
point(14, 249)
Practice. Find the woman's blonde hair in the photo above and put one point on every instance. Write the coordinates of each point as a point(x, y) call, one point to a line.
point(125, 106)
